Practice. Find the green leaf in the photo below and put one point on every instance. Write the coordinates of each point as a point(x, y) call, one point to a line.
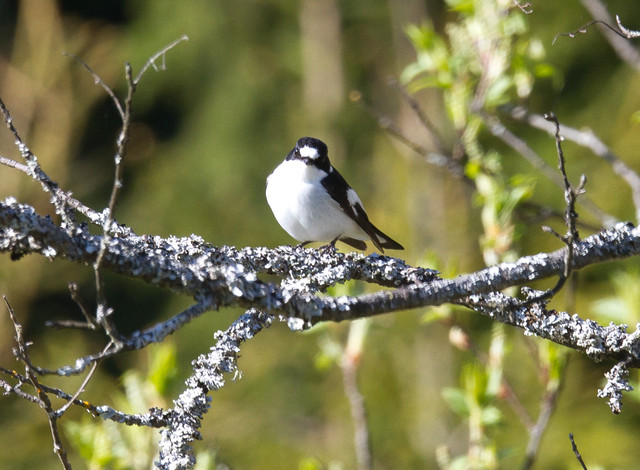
point(497, 92)
point(457, 401)
point(491, 416)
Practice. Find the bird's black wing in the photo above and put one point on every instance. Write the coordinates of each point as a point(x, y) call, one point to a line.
point(338, 189)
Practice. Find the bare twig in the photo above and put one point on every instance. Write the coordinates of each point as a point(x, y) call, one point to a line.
point(99, 81)
point(21, 353)
point(587, 139)
point(532, 213)
point(154, 57)
point(349, 364)
point(574, 447)
point(154, 418)
point(14, 164)
point(434, 158)
point(428, 126)
point(80, 390)
point(549, 401)
point(103, 311)
point(618, 39)
point(628, 33)
point(135, 341)
point(88, 324)
point(583, 30)
point(526, 7)
point(52, 187)
point(35, 171)
point(516, 143)
point(570, 216)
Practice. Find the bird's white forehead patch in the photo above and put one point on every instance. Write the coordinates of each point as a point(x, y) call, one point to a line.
point(353, 198)
point(309, 152)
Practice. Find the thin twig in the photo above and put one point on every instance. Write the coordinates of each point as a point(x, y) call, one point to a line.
point(160, 53)
point(22, 353)
point(549, 402)
point(525, 7)
point(154, 419)
point(88, 324)
point(434, 158)
point(138, 340)
point(103, 311)
point(99, 81)
point(349, 364)
point(621, 45)
point(574, 447)
point(587, 139)
point(570, 216)
point(75, 296)
point(532, 213)
point(583, 30)
point(14, 164)
point(420, 114)
point(52, 188)
point(80, 390)
point(36, 172)
point(499, 130)
point(628, 33)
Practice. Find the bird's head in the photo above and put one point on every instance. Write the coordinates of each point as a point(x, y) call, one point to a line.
point(311, 151)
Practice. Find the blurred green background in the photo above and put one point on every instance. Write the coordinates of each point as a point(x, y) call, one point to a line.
point(253, 78)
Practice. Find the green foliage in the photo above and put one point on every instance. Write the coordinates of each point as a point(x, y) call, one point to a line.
point(476, 401)
point(485, 56)
point(484, 60)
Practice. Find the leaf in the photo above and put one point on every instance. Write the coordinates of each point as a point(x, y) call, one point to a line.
point(457, 401)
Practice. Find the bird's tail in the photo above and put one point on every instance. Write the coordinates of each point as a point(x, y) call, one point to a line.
point(381, 241)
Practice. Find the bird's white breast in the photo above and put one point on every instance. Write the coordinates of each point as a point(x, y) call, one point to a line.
point(302, 206)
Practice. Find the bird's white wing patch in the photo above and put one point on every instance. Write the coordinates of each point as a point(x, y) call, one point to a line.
point(309, 152)
point(353, 198)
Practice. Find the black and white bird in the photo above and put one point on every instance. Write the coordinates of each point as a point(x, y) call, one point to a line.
point(312, 202)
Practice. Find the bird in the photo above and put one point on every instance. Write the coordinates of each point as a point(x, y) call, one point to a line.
point(312, 201)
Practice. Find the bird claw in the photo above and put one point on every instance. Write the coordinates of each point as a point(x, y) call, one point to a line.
point(329, 247)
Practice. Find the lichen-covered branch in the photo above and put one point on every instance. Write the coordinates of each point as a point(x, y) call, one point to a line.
point(208, 375)
point(225, 276)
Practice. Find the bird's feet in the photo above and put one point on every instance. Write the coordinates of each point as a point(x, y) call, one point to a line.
point(329, 247)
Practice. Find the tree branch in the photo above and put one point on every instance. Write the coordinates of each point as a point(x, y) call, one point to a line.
point(208, 375)
point(587, 139)
point(618, 39)
point(224, 276)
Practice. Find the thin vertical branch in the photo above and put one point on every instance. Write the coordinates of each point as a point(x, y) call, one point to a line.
point(574, 447)
point(570, 216)
point(103, 311)
point(549, 401)
point(499, 130)
point(350, 361)
point(21, 353)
